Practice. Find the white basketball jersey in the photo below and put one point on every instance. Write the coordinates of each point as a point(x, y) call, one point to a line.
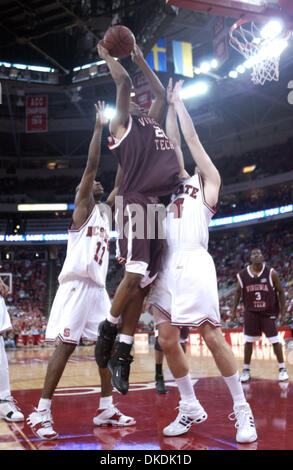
point(87, 253)
point(188, 217)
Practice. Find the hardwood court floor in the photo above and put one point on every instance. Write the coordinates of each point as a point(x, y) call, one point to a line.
point(77, 396)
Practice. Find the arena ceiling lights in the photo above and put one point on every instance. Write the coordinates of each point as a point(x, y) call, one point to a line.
point(196, 89)
point(41, 207)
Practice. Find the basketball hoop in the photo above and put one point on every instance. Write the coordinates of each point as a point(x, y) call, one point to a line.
point(262, 54)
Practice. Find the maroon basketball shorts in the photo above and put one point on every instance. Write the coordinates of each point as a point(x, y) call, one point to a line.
point(139, 222)
point(255, 324)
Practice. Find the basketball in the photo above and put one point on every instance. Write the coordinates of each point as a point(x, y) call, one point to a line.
point(119, 41)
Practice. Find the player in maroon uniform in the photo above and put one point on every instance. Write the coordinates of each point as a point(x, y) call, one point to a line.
point(148, 168)
point(263, 296)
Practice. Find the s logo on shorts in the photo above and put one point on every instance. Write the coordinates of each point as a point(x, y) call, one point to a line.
point(66, 332)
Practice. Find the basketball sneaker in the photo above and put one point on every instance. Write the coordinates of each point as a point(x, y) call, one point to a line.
point(187, 416)
point(283, 374)
point(9, 410)
point(112, 417)
point(119, 366)
point(106, 338)
point(245, 376)
point(160, 384)
point(41, 423)
point(246, 431)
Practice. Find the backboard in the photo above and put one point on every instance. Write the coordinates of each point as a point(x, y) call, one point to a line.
point(259, 11)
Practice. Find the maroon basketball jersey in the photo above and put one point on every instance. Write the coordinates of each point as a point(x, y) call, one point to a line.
point(147, 158)
point(258, 293)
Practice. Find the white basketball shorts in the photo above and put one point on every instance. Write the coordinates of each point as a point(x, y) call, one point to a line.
point(185, 292)
point(77, 310)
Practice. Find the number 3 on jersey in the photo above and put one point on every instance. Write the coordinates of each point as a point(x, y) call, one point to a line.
point(257, 296)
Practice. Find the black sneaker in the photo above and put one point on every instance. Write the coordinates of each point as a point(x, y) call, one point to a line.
point(106, 338)
point(119, 366)
point(160, 384)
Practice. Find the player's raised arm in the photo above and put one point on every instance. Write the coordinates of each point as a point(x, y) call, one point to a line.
point(158, 107)
point(172, 130)
point(123, 88)
point(208, 171)
point(84, 200)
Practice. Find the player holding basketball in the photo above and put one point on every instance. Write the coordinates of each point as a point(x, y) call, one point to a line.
point(263, 295)
point(81, 301)
point(148, 168)
point(185, 292)
point(8, 408)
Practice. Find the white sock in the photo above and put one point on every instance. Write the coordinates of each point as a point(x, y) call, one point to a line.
point(126, 339)
point(44, 404)
point(246, 366)
point(105, 402)
point(112, 319)
point(236, 389)
point(282, 365)
point(4, 373)
point(186, 390)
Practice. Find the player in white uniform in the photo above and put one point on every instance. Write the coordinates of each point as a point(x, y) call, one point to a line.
point(81, 301)
point(185, 292)
point(8, 408)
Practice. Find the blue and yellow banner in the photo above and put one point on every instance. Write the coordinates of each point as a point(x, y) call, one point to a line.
point(157, 58)
point(182, 58)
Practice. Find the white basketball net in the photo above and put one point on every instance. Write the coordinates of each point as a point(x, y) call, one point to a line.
point(262, 55)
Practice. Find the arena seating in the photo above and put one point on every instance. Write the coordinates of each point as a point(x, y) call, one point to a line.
point(26, 303)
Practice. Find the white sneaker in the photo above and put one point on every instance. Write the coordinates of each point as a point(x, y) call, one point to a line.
point(246, 431)
point(245, 376)
point(40, 423)
point(10, 411)
point(283, 375)
point(112, 417)
point(188, 414)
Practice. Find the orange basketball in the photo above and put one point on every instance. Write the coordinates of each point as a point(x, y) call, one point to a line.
point(119, 41)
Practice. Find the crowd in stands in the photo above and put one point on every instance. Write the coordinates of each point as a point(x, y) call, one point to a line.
point(26, 302)
point(254, 200)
